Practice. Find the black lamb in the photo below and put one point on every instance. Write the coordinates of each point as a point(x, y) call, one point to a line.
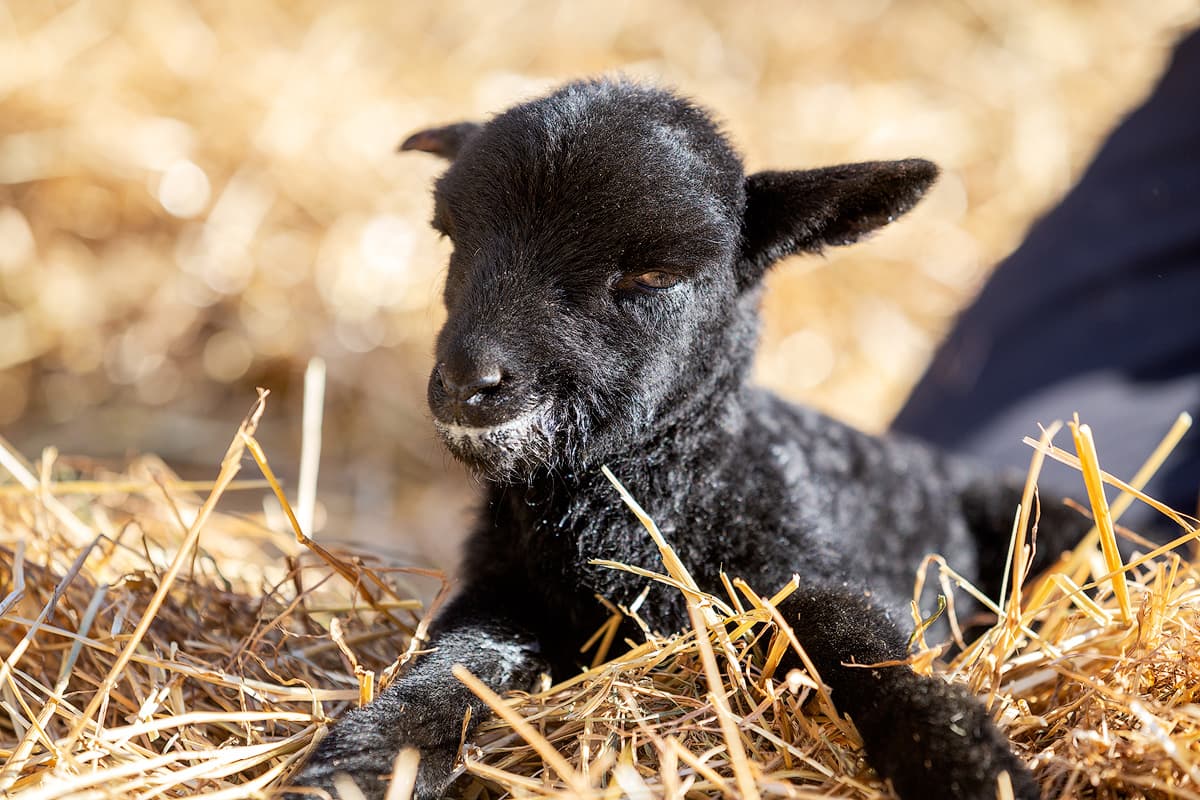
point(603, 299)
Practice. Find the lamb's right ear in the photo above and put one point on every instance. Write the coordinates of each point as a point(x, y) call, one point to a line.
point(808, 210)
point(445, 141)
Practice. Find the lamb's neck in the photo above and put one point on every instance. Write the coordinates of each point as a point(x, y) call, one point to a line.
point(692, 437)
point(711, 415)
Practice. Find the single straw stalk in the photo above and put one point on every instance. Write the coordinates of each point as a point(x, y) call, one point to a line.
point(310, 443)
point(742, 772)
point(675, 568)
point(527, 732)
point(1085, 446)
point(1019, 551)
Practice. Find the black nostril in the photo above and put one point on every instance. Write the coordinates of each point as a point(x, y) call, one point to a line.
point(465, 387)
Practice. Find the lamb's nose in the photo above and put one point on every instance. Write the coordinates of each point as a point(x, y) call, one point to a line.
point(470, 384)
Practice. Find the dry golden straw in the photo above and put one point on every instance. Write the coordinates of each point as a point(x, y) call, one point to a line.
point(149, 658)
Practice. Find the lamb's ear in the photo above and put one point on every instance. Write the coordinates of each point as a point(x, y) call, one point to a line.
point(806, 211)
point(445, 141)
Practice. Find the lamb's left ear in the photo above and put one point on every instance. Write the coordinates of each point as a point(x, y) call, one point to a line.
point(445, 141)
point(806, 211)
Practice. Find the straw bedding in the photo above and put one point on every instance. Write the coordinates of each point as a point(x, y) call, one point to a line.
point(157, 647)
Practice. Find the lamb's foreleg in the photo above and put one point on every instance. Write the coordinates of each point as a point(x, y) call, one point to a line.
point(425, 707)
point(933, 740)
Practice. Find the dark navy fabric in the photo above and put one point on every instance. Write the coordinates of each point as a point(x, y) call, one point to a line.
point(1097, 312)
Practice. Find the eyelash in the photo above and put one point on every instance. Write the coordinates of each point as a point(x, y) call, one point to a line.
point(649, 282)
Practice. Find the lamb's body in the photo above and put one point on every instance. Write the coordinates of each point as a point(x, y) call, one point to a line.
point(603, 299)
point(778, 489)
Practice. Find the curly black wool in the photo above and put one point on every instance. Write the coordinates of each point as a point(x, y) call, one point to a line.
point(603, 303)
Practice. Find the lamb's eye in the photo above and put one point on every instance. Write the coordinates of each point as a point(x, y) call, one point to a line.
point(653, 281)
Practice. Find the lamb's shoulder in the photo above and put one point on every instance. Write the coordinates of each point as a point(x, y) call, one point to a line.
point(828, 449)
point(883, 502)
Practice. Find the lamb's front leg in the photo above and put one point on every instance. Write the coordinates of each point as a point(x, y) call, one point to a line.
point(933, 740)
point(425, 707)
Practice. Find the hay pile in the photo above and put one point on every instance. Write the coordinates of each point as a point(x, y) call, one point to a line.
point(155, 647)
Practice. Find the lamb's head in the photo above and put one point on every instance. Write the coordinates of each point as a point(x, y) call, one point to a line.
point(607, 253)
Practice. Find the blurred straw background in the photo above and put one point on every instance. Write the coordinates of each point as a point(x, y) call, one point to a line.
point(196, 198)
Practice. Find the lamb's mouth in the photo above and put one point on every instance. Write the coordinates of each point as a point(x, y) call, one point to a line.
point(500, 446)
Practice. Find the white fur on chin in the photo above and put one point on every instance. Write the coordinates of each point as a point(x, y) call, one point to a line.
point(516, 430)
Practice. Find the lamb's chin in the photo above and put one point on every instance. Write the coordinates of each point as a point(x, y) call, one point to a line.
point(509, 451)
